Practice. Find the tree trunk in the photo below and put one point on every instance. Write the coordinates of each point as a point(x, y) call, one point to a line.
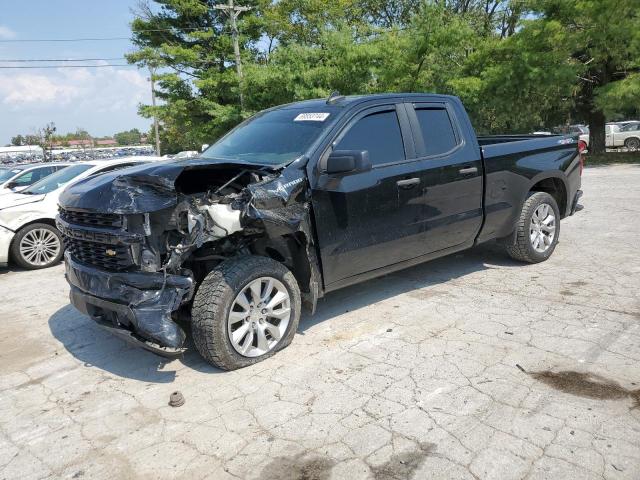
point(597, 125)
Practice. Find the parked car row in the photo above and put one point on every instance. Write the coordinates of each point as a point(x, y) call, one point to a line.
point(28, 235)
point(72, 155)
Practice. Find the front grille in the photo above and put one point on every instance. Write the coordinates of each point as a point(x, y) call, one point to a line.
point(91, 219)
point(101, 255)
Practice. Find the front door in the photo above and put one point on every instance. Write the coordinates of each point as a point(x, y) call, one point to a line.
point(366, 220)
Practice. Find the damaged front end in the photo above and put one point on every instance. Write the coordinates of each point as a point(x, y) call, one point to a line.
point(139, 242)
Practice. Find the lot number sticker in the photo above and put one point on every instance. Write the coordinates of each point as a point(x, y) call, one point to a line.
point(311, 117)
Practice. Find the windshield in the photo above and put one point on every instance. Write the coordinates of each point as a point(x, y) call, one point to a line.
point(271, 138)
point(6, 173)
point(56, 180)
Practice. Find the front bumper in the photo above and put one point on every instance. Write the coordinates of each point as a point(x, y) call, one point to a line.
point(136, 306)
point(6, 236)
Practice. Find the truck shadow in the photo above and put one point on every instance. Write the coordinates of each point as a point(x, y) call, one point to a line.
point(424, 275)
point(96, 348)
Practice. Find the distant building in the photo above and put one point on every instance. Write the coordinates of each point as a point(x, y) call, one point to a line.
point(80, 143)
point(107, 142)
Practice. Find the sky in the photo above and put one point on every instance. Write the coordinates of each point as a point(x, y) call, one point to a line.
point(101, 100)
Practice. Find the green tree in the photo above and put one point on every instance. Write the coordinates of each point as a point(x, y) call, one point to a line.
point(18, 140)
point(518, 65)
point(575, 59)
point(129, 137)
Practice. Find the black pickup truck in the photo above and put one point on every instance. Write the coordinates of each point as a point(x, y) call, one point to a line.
point(295, 202)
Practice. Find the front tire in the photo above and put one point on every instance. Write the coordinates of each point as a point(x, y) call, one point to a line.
point(537, 230)
point(36, 246)
point(632, 144)
point(244, 311)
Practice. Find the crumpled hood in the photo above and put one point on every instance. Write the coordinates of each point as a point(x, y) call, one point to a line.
point(143, 188)
point(16, 199)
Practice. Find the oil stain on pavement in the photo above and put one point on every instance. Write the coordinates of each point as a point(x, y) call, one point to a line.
point(587, 385)
point(304, 467)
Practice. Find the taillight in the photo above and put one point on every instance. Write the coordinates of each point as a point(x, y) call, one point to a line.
point(582, 146)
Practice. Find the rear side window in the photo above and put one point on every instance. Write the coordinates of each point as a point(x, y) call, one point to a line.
point(379, 134)
point(437, 130)
point(24, 179)
point(32, 176)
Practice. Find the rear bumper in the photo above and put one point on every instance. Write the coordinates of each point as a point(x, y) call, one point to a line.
point(136, 306)
point(6, 236)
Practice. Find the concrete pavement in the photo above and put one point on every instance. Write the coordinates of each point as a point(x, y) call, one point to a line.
point(472, 366)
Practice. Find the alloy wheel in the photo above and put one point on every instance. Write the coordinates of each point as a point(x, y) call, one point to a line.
point(542, 230)
point(39, 247)
point(259, 317)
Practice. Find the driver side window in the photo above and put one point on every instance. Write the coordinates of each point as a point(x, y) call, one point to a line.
point(378, 133)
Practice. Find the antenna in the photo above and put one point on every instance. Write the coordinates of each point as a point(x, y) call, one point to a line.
point(334, 97)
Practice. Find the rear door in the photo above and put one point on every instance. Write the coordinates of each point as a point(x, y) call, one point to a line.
point(451, 176)
point(366, 220)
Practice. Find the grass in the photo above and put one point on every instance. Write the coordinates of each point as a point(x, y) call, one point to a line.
point(611, 157)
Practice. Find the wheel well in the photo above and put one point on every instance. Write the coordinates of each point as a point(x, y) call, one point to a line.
point(557, 189)
point(291, 251)
point(630, 138)
point(48, 221)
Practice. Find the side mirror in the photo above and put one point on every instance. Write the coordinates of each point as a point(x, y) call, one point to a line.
point(343, 161)
point(11, 185)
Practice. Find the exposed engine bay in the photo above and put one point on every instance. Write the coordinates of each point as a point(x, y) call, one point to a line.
point(149, 236)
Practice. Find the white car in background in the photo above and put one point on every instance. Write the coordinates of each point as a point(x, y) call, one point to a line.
point(14, 178)
point(617, 136)
point(28, 234)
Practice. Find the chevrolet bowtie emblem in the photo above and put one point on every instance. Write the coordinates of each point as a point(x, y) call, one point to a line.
point(111, 253)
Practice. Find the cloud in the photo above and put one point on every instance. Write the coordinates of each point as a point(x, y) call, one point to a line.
point(104, 89)
point(17, 90)
point(99, 99)
point(6, 33)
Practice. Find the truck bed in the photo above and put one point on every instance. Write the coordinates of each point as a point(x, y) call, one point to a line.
point(501, 145)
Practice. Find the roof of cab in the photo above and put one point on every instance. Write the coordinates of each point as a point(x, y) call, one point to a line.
point(349, 100)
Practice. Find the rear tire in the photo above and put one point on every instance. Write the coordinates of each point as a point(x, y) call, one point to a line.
point(217, 304)
point(536, 237)
point(36, 246)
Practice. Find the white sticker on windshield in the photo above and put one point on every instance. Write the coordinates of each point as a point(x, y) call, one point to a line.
point(311, 117)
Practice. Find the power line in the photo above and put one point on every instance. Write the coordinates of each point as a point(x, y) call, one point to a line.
point(22, 60)
point(105, 39)
point(67, 66)
point(102, 39)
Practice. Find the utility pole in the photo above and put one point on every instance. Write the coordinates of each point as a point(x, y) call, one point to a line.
point(153, 103)
point(234, 12)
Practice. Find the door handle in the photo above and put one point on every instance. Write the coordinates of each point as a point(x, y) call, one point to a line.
point(468, 170)
point(408, 183)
